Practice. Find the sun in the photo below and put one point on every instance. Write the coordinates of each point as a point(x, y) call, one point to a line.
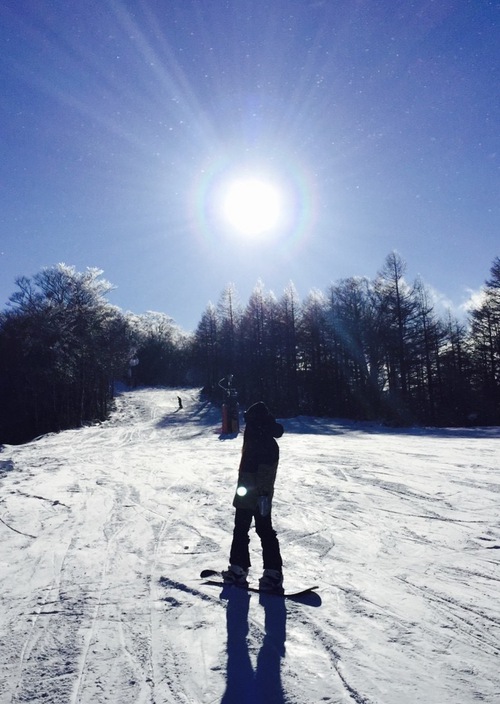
point(252, 206)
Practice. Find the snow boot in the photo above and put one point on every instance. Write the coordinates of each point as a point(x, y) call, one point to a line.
point(271, 581)
point(235, 575)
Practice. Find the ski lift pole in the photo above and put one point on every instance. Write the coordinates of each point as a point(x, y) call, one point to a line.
point(230, 407)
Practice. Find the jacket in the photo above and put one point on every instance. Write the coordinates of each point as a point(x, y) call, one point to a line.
point(259, 457)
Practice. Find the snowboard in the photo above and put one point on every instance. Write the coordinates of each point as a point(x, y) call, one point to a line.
point(214, 577)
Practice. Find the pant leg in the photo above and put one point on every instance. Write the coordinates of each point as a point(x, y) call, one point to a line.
point(271, 555)
point(239, 554)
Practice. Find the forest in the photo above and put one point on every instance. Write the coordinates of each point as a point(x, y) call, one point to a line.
point(363, 350)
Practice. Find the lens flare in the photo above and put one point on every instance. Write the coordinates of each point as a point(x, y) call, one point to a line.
point(241, 491)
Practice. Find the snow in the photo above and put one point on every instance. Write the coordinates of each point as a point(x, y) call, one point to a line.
point(104, 531)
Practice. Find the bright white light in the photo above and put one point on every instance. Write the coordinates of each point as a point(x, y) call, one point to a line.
point(252, 206)
point(241, 491)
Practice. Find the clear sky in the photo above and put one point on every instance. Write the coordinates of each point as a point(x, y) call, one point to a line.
point(371, 125)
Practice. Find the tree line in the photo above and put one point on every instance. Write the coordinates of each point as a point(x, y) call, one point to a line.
point(62, 348)
point(364, 349)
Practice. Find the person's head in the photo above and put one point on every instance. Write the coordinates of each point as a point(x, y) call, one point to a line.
point(257, 411)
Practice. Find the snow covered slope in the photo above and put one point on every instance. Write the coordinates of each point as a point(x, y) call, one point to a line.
point(105, 530)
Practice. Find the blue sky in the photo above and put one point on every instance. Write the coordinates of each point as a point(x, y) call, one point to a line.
point(121, 122)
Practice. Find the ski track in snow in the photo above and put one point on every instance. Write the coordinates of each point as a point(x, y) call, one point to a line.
point(104, 531)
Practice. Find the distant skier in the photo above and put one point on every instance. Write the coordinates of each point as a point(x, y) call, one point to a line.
point(179, 401)
point(253, 500)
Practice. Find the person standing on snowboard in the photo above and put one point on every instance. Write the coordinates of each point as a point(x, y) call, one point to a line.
point(253, 500)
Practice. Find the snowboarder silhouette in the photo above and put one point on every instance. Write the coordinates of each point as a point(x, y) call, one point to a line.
point(253, 500)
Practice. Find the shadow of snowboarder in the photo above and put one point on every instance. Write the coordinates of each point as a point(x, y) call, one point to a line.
point(244, 684)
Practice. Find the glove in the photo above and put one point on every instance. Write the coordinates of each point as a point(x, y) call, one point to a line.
point(264, 505)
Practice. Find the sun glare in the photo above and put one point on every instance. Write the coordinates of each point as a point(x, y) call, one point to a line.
point(252, 206)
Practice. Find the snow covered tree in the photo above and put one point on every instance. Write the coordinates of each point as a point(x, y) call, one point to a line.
point(160, 349)
point(62, 344)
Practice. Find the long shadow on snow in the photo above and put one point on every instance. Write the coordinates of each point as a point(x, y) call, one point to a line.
point(244, 684)
point(202, 414)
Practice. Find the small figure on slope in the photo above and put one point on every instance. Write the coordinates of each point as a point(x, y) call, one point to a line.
point(253, 500)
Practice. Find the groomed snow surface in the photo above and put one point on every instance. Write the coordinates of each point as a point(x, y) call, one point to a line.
point(104, 531)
